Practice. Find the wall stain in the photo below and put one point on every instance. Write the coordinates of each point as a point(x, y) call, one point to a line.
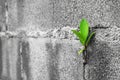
point(53, 58)
point(25, 59)
point(99, 58)
point(23, 72)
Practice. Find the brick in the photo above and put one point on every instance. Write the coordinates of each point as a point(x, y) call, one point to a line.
point(54, 59)
point(9, 59)
point(103, 52)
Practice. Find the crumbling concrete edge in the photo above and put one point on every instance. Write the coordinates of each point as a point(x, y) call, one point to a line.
point(60, 33)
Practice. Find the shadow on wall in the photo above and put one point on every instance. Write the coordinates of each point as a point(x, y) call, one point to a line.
point(99, 58)
point(53, 58)
point(25, 60)
point(24, 57)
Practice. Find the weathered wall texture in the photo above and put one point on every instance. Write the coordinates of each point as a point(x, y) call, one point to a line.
point(40, 59)
point(36, 42)
point(103, 61)
point(2, 15)
point(50, 14)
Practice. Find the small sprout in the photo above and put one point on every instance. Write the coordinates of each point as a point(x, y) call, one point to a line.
point(83, 34)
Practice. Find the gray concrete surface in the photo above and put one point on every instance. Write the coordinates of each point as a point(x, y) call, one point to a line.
point(9, 56)
point(40, 59)
point(103, 52)
point(2, 15)
point(48, 14)
point(30, 14)
point(54, 59)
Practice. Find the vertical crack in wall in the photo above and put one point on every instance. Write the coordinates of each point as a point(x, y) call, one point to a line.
point(85, 58)
point(84, 71)
point(87, 54)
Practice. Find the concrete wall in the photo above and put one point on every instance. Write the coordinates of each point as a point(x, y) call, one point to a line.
point(2, 15)
point(50, 14)
point(103, 52)
point(36, 42)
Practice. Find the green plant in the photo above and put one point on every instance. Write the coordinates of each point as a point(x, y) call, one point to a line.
point(83, 34)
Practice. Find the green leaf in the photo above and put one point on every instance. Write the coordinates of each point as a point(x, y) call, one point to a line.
point(89, 38)
point(84, 29)
point(78, 34)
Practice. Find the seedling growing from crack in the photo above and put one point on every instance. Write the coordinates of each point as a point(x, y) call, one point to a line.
point(83, 34)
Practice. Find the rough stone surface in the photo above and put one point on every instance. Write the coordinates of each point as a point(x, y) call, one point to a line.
point(29, 14)
point(48, 14)
point(54, 59)
point(103, 61)
point(69, 12)
point(60, 33)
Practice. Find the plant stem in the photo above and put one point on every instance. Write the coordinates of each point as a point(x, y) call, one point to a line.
point(85, 56)
point(85, 62)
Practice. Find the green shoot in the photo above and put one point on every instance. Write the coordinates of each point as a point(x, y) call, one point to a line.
point(83, 33)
